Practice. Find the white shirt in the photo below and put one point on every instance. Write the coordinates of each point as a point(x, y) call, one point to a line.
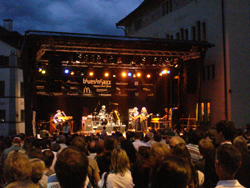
point(138, 143)
point(116, 180)
point(229, 184)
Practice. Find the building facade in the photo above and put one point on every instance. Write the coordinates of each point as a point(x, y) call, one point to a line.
point(12, 114)
point(223, 89)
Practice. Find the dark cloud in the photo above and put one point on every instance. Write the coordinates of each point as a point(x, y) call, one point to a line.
point(78, 16)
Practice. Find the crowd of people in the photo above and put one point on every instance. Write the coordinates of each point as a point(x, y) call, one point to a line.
point(193, 158)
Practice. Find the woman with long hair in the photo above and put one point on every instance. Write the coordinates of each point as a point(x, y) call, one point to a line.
point(119, 174)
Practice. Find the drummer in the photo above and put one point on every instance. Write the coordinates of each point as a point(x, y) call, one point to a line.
point(102, 112)
point(102, 115)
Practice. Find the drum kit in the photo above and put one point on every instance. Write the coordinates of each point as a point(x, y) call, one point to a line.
point(103, 119)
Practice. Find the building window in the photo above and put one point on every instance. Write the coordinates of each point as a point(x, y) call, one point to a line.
point(203, 112)
point(198, 24)
point(23, 115)
point(2, 88)
point(22, 89)
point(4, 61)
point(208, 72)
point(177, 36)
point(186, 34)
point(181, 34)
point(167, 36)
point(2, 115)
point(171, 37)
point(138, 24)
point(193, 33)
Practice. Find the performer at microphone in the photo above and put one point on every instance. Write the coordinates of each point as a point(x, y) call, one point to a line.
point(135, 119)
point(168, 116)
point(143, 119)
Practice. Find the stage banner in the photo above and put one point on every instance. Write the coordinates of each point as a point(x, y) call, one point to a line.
point(97, 87)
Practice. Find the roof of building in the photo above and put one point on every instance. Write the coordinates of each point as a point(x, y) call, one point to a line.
point(12, 38)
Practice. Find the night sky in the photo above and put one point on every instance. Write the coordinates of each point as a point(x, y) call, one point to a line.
point(76, 16)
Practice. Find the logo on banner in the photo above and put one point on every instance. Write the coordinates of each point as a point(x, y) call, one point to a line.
point(86, 90)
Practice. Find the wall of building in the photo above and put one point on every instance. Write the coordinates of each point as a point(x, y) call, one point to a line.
point(12, 102)
point(237, 16)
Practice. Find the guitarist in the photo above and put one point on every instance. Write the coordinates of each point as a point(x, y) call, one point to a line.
point(135, 119)
point(143, 119)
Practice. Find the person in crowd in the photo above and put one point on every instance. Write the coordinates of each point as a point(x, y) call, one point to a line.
point(227, 162)
point(120, 175)
point(104, 132)
point(38, 168)
point(207, 150)
point(17, 168)
point(127, 145)
point(140, 170)
point(16, 145)
point(180, 150)
point(151, 140)
point(22, 136)
point(167, 134)
point(21, 184)
point(225, 131)
point(137, 143)
point(48, 157)
point(174, 141)
point(173, 173)
point(35, 153)
point(93, 169)
point(158, 153)
point(193, 147)
point(72, 168)
point(243, 174)
point(104, 162)
point(61, 140)
point(91, 150)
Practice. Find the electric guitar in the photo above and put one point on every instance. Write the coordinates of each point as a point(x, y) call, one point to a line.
point(143, 117)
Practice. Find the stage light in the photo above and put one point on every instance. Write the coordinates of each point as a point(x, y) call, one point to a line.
point(138, 74)
point(66, 71)
point(43, 71)
point(148, 76)
point(134, 75)
point(168, 72)
point(160, 74)
point(164, 71)
point(40, 69)
point(78, 62)
point(124, 74)
point(106, 74)
point(114, 75)
point(72, 73)
point(82, 74)
point(129, 74)
point(91, 73)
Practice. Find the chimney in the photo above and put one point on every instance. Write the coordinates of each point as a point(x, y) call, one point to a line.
point(8, 24)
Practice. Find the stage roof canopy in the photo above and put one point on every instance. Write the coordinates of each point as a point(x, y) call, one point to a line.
point(111, 51)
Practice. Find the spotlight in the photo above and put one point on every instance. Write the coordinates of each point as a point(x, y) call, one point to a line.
point(124, 74)
point(138, 74)
point(148, 76)
point(82, 74)
point(72, 73)
point(114, 75)
point(160, 74)
point(129, 74)
point(134, 75)
point(106, 74)
point(43, 71)
point(40, 69)
point(91, 73)
point(66, 71)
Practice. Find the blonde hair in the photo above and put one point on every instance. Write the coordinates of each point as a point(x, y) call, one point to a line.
point(160, 150)
point(38, 168)
point(119, 161)
point(17, 167)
